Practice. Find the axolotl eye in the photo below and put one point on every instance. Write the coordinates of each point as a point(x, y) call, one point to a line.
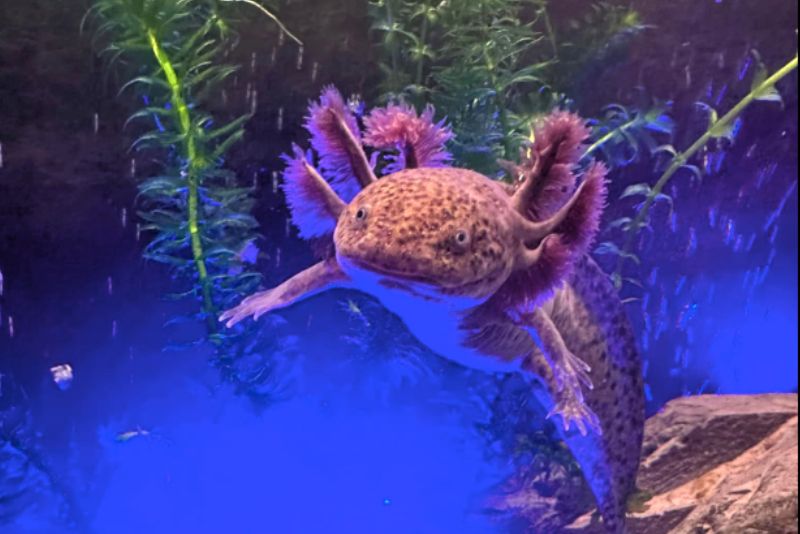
point(461, 239)
point(361, 214)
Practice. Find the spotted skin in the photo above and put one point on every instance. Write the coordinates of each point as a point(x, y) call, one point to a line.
point(434, 246)
point(412, 224)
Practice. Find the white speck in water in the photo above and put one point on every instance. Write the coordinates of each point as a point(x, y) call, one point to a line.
point(280, 119)
point(236, 81)
point(688, 76)
point(288, 227)
point(299, 58)
point(712, 216)
point(247, 91)
point(773, 234)
point(133, 167)
point(96, 122)
point(691, 246)
point(62, 375)
point(772, 253)
point(281, 38)
point(114, 328)
point(255, 179)
point(274, 181)
point(273, 55)
point(224, 97)
point(138, 231)
point(253, 101)
point(730, 229)
point(737, 245)
point(110, 285)
point(278, 258)
point(10, 326)
point(124, 217)
point(314, 71)
point(750, 243)
point(253, 62)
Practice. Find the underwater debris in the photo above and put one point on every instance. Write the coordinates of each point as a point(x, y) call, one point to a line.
point(62, 376)
point(128, 435)
point(352, 308)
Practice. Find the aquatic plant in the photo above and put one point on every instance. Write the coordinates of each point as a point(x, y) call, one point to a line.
point(492, 66)
point(200, 215)
point(762, 89)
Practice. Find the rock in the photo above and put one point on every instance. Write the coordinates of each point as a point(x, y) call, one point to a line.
point(721, 463)
point(711, 464)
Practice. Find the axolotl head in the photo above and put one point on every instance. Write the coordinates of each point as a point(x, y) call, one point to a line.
point(436, 232)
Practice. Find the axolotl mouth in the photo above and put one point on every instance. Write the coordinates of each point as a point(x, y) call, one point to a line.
point(415, 285)
point(356, 267)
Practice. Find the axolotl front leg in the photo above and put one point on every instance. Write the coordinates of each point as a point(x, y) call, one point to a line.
point(534, 341)
point(317, 278)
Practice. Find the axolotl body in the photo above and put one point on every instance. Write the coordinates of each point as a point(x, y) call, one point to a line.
point(476, 270)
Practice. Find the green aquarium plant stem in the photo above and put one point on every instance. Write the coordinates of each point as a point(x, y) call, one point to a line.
point(608, 137)
point(718, 128)
point(272, 16)
point(421, 59)
point(199, 216)
point(194, 165)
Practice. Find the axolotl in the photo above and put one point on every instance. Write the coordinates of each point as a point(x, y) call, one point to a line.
point(493, 276)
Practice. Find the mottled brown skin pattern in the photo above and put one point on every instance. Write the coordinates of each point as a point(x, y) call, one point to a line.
point(590, 319)
point(589, 315)
point(417, 236)
point(407, 240)
point(413, 239)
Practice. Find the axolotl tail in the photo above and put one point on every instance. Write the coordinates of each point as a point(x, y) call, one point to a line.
point(590, 317)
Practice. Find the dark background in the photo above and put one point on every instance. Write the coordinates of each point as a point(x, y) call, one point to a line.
point(63, 189)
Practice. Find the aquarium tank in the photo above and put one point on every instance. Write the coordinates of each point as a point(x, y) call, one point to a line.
point(398, 266)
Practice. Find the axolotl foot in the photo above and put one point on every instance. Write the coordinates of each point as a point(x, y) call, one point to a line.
point(255, 305)
point(571, 372)
point(572, 408)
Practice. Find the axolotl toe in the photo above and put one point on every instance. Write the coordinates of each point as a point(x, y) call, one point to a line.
point(476, 271)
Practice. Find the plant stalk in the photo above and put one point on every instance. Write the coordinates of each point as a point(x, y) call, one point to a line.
point(679, 160)
point(195, 166)
point(423, 34)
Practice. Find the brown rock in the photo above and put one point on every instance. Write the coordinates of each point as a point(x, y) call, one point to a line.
point(713, 464)
point(726, 464)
